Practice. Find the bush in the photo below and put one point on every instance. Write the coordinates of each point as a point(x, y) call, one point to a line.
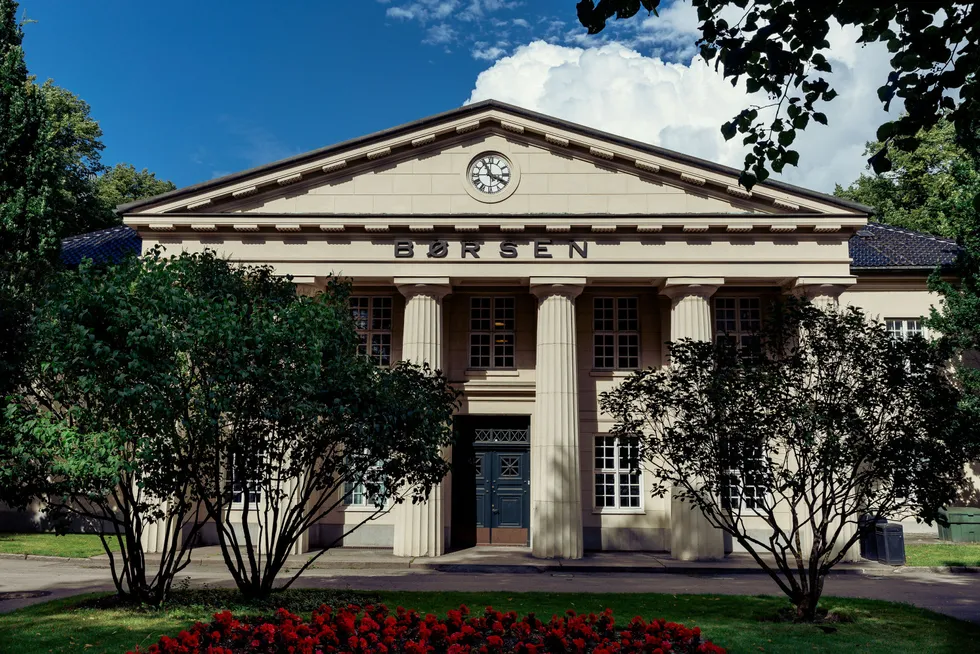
point(373, 629)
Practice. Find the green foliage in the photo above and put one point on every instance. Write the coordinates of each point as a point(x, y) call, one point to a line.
point(158, 381)
point(77, 142)
point(29, 224)
point(779, 47)
point(827, 413)
point(283, 404)
point(929, 188)
point(123, 183)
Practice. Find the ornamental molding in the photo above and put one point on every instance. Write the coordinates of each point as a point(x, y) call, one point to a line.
point(613, 153)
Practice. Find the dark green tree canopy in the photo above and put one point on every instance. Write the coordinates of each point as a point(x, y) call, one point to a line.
point(29, 223)
point(124, 183)
point(929, 188)
point(780, 47)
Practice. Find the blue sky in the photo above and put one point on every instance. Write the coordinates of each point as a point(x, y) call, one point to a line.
point(194, 90)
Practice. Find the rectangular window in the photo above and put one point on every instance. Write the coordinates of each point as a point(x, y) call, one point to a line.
point(739, 320)
point(242, 491)
point(616, 333)
point(492, 339)
point(617, 473)
point(372, 318)
point(746, 488)
point(355, 494)
point(903, 328)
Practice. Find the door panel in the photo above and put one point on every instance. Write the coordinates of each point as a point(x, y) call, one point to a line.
point(503, 496)
point(483, 463)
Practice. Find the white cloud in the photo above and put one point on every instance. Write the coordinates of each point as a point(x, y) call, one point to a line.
point(423, 10)
point(487, 52)
point(439, 34)
point(681, 106)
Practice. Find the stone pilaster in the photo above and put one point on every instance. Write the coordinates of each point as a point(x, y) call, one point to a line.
point(692, 538)
point(556, 486)
point(420, 529)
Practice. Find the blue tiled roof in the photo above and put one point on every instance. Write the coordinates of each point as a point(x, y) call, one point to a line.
point(886, 247)
point(874, 247)
point(104, 246)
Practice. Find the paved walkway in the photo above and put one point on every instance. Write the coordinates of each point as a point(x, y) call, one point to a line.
point(957, 595)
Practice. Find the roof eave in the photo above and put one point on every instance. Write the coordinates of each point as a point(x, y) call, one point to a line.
point(477, 108)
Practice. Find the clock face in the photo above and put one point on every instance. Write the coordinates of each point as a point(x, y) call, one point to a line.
point(490, 174)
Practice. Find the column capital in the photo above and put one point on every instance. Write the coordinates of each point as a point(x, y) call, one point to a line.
point(815, 287)
point(570, 287)
point(678, 287)
point(437, 287)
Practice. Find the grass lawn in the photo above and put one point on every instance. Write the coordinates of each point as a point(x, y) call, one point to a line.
point(952, 554)
point(75, 546)
point(738, 623)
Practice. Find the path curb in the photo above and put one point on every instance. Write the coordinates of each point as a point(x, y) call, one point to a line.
point(530, 568)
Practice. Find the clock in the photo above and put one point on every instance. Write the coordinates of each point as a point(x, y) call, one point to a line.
point(490, 174)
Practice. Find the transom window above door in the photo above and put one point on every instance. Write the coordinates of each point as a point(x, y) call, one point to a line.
point(372, 320)
point(492, 332)
point(616, 333)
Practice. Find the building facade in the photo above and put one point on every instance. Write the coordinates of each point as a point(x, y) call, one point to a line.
point(536, 263)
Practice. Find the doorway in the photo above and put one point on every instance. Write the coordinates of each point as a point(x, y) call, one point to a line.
point(492, 481)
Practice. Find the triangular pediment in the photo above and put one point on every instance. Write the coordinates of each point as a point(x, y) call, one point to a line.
point(421, 173)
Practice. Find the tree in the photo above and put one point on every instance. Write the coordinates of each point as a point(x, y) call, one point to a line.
point(825, 418)
point(287, 417)
point(78, 144)
point(780, 48)
point(93, 433)
point(123, 183)
point(29, 223)
point(929, 189)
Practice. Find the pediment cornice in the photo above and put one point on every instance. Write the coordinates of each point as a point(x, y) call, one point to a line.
point(566, 139)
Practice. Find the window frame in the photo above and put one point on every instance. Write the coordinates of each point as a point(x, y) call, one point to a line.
point(239, 504)
point(616, 333)
point(368, 333)
point(617, 471)
point(492, 333)
point(740, 332)
point(904, 333)
point(366, 505)
point(738, 483)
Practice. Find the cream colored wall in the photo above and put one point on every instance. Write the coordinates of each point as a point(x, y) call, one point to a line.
point(646, 529)
point(549, 182)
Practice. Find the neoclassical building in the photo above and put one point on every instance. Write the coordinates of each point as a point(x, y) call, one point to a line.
point(538, 262)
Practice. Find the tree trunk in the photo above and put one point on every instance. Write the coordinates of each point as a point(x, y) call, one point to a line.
point(806, 603)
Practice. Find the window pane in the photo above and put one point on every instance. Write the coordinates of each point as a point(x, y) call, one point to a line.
point(479, 350)
point(480, 314)
point(605, 453)
point(503, 350)
point(605, 489)
point(503, 313)
point(629, 351)
point(725, 315)
point(628, 317)
point(604, 350)
point(602, 320)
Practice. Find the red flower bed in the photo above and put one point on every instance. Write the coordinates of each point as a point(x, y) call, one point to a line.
point(374, 630)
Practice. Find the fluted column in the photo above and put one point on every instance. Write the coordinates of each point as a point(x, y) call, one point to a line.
point(556, 486)
point(420, 529)
point(692, 538)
